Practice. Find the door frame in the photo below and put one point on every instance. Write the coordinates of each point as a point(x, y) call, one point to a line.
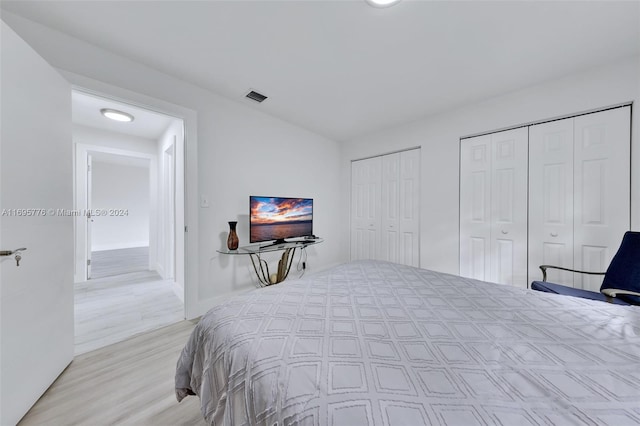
point(189, 257)
point(82, 201)
point(168, 208)
point(86, 213)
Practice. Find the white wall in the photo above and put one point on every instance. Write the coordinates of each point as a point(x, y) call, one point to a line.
point(439, 137)
point(241, 151)
point(120, 187)
point(99, 137)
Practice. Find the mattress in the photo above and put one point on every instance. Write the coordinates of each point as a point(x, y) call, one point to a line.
point(377, 343)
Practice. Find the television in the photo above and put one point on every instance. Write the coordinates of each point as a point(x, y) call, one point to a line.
point(277, 218)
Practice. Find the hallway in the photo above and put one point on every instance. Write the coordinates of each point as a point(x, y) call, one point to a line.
point(114, 307)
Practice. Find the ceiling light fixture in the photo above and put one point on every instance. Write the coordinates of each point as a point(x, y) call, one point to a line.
point(382, 3)
point(116, 115)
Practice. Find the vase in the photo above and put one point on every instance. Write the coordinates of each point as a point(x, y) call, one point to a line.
point(232, 239)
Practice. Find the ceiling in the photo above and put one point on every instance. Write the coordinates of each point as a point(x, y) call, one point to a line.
point(146, 124)
point(342, 68)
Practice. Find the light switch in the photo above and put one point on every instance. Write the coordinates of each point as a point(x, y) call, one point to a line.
point(204, 201)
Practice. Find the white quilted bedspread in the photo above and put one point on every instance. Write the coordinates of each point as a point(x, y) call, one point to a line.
point(375, 343)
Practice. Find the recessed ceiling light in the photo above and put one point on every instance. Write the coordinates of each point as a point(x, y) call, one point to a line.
point(114, 114)
point(382, 3)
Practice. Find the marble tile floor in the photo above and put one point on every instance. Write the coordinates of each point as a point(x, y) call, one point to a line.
point(114, 308)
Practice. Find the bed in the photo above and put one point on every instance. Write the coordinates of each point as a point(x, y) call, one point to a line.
point(377, 343)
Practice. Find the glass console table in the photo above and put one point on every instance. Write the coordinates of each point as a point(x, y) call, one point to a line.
point(260, 265)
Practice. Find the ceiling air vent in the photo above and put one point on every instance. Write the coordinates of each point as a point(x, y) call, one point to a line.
point(258, 97)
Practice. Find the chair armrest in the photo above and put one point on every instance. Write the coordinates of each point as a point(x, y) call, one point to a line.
point(545, 267)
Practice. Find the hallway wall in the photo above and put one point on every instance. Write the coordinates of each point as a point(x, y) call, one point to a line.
point(123, 191)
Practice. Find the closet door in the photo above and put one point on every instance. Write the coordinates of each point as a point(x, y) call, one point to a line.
point(551, 200)
point(390, 208)
point(475, 207)
point(602, 190)
point(385, 208)
point(493, 207)
point(579, 194)
point(509, 207)
point(409, 208)
point(365, 208)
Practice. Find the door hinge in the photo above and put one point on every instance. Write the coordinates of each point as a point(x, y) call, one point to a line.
point(88, 262)
point(88, 167)
point(186, 229)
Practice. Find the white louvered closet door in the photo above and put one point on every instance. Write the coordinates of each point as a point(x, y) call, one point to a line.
point(551, 200)
point(366, 181)
point(602, 190)
point(493, 207)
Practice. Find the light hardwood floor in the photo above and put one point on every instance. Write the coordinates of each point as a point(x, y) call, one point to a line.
point(115, 307)
point(121, 261)
point(127, 383)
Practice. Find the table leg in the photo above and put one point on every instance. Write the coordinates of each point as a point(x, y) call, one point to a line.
point(261, 267)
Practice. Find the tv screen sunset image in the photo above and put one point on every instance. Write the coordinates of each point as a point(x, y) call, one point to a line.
point(278, 218)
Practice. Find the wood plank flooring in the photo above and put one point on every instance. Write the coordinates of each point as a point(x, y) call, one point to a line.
point(127, 383)
point(107, 263)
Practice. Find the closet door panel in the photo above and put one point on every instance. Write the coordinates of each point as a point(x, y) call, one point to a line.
point(389, 246)
point(602, 188)
point(389, 212)
point(551, 200)
point(509, 207)
point(409, 252)
point(365, 208)
point(475, 207)
point(409, 208)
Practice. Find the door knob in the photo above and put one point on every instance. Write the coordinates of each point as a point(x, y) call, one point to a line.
point(15, 252)
point(554, 234)
point(11, 252)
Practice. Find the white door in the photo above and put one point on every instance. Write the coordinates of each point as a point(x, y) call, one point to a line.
point(35, 173)
point(389, 208)
point(602, 190)
point(551, 200)
point(365, 208)
point(385, 208)
point(475, 207)
point(493, 207)
point(509, 207)
point(409, 208)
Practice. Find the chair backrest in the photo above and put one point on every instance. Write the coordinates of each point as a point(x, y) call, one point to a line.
point(623, 274)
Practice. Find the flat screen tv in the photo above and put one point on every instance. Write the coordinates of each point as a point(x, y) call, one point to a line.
point(277, 218)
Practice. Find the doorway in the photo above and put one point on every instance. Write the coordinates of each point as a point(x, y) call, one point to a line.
point(118, 196)
point(129, 184)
